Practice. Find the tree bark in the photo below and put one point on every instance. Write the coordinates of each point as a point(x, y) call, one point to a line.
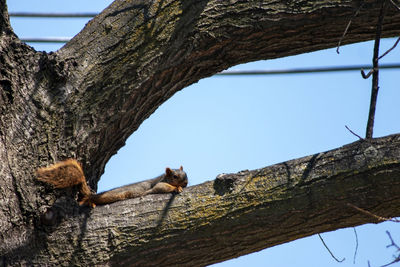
point(233, 215)
point(84, 100)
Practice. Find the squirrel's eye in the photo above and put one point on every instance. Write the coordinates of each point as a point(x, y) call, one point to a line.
point(175, 176)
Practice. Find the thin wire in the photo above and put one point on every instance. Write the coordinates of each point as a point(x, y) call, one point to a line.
point(51, 15)
point(305, 70)
point(46, 40)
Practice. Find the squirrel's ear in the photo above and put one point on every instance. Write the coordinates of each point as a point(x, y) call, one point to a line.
point(168, 171)
point(181, 168)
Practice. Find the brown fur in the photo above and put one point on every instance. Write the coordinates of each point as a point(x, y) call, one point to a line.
point(69, 173)
point(65, 174)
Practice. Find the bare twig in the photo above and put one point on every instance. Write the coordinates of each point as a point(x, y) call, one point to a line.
point(393, 47)
point(393, 244)
point(375, 74)
point(348, 26)
point(379, 218)
point(366, 76)
point(397, 259)
point(330, 252)
point(355, 251)
point(354, 133)
point(397, 5)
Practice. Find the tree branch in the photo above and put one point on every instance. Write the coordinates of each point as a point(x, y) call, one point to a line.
point(375, 73)
point(233, 215)
point(135, 55)
point(86, 99)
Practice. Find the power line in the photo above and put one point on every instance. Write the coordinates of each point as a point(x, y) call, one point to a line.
point(46, 39)
point(52, 15)
point(306, 70)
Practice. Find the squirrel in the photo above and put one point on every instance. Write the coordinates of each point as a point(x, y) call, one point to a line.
point(69, 173)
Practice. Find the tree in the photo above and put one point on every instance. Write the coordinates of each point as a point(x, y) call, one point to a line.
point(127, 61)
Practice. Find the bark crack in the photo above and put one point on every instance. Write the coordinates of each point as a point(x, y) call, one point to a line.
point(17, 189)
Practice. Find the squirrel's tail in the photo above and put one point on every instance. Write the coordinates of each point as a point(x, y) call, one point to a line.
point(65, 174)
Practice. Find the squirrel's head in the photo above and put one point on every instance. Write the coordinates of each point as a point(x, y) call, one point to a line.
point(176, 177)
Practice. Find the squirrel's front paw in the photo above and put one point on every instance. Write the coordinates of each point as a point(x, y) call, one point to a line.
point(179, 189)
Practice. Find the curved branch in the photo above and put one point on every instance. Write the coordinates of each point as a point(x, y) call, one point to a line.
point(235, 214)
point(136, 54)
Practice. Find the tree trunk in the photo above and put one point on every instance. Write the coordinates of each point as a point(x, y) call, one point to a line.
point(86, 99)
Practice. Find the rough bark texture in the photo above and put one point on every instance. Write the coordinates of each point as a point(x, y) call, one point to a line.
point(233, 215)
point(85, 100)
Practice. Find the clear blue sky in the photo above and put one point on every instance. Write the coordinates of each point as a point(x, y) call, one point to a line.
point(227, 124)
